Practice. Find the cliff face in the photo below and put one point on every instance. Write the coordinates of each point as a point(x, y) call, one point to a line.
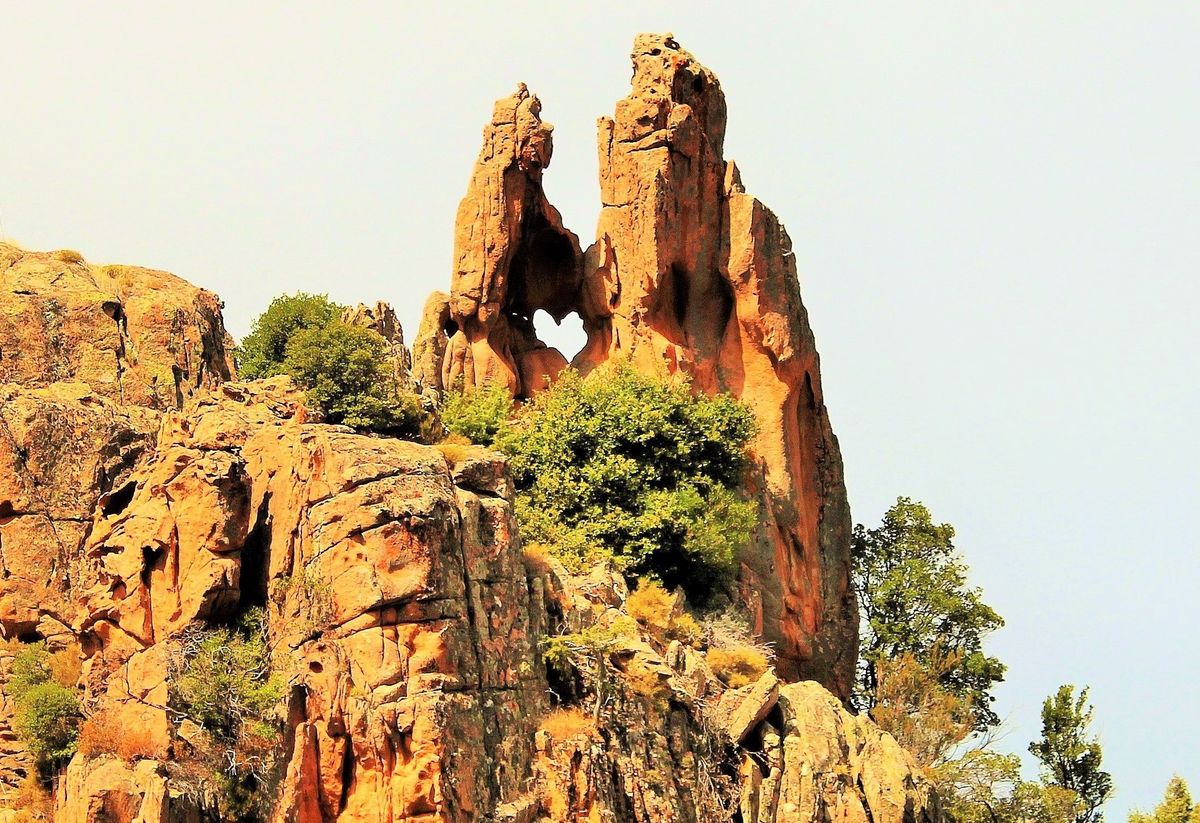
point(147, 497)
point(395, 597)
point(136, 336)
point(688, 274)
point(88, 357)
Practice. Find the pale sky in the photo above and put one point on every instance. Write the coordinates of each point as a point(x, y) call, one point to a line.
point(995, 208)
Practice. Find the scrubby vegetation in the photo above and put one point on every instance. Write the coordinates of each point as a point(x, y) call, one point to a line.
point(637, 472)
point(344, 368)
point(737, 666)
point(477, 414)
point(106, 733)
point(661, 614)
point(565, 723)
point(223, 681)
point(46, 715)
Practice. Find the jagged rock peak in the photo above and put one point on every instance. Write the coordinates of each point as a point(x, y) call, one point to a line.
point(512, 257)
point(665, 76)
point(688, 274)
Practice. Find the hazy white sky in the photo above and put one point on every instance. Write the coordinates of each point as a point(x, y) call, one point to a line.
point(995, 207)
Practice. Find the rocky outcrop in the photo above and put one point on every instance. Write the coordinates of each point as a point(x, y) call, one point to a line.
point(688, 275)
point(89, 356)
point(669, 743)
point(62, 447)
point(381, 319)
point(145, 498)
point(134, 335)
point(512, 257)
point(394, 589)
point(433, 337)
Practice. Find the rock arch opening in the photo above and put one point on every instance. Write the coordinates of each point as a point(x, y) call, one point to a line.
point(567, 335)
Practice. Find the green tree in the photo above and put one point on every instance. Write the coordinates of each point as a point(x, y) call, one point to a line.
point(1070, 756)
point(262, 352)
point(47, 714)
point(344, 368)
point(1176, 806)
point(914, 600)
point(984, 786)
point(636, 471)
point(347, 375)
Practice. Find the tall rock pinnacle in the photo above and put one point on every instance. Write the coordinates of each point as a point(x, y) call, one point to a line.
point(688, 274)
point(512, 256)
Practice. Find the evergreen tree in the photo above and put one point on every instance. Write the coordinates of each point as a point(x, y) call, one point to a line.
point(1071, 757)
point(915, 601)
point(1176, 806)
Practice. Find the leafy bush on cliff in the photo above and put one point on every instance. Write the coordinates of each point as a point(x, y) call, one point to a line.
point(47, 715)
point(262, 352)
point(223, 681)
point(347, 375)
point(344, 367)
point(640, 472)
point(478, 414)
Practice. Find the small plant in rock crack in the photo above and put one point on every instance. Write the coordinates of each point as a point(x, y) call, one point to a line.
point(587, 654)
point(222, 680)
point(315, 595)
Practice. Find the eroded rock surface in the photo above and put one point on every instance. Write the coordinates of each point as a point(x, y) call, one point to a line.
point(391, 576)
point(689, 274)
point(672, 744)
point(143, 496)
point(134, 335)
point(512, 257)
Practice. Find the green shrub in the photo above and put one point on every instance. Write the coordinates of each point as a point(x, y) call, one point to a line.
point(223, 681)
point(348, 377)
point(343, 367)
point(478, 414)
point(47, 720)
point(261, 353)
point(47, 714)
point(635, 471)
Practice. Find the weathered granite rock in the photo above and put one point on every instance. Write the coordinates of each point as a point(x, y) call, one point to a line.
point(391, 575)
point(134, 335)
point(817, 761)
point(381, 319)
point(62, 447)
point(697, 752)
point(688, 274)
point(512, 257)
point(108, 790)
point(433, 336)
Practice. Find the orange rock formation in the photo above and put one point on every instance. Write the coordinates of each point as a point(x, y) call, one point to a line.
point(688, 274)
point(144, 495)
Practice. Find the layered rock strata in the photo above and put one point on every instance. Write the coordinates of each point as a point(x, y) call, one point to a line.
point(688, 275)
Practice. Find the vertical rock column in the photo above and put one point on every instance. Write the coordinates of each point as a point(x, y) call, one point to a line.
point(512, 257)
point(691, 274)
